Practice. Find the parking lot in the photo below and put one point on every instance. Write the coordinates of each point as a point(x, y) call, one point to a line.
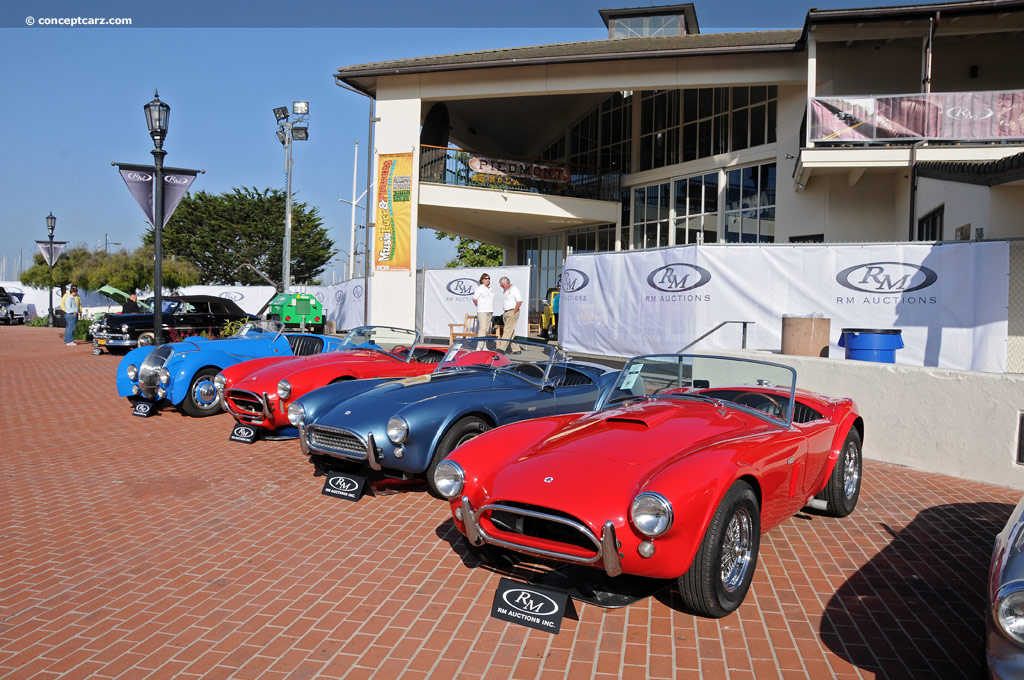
point(134, 547)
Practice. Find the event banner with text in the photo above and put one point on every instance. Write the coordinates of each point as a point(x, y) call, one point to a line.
point(392, 248)
point(949, 300)
point(448, 296)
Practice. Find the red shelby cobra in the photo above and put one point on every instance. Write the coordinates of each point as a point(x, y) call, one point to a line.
point(258, 392)
point(686, 460)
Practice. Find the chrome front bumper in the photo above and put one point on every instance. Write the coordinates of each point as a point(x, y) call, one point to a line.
point(607, 546)
point(113, 340)
point(248, 416)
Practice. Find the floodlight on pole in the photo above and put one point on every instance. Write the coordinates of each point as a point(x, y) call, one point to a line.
point(289, 129)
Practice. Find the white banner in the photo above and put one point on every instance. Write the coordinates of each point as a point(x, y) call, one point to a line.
point(448, 296)
point(950, 300)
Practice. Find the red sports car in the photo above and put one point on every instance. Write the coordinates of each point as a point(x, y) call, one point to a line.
point(686, 460)
point(258, 392)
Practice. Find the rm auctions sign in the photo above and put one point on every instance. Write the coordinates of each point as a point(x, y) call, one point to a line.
point(949, 300)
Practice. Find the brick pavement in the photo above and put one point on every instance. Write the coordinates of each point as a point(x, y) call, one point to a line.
point(137, 548)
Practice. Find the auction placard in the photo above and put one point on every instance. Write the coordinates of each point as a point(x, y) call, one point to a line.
point(392, 247)
point(143, 409)
point(344, 486)
point(529, 605)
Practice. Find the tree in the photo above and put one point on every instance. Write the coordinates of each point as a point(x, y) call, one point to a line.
point(92, 270)
point(472, 253)
point(220, 232)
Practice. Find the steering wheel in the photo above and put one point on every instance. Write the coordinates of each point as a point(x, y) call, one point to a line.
point(760, 401)
point(400, 350)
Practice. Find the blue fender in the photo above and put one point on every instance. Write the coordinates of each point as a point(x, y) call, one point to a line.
point(183, 367)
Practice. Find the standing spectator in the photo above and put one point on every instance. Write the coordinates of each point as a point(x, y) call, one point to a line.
point(483, 300)
point(131, 305)
point(554, 305)
point(512, 300)
point(72, 306)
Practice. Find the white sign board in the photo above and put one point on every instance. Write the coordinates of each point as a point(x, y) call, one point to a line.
point(950, 300)
point(448, 296)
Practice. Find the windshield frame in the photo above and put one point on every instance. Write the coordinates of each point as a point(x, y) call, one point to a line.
point(272, 326)
point(509, 359)
point(606, 400)
point(345, 346)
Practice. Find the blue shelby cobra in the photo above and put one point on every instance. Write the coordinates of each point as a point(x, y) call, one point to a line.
point(182, 372)
point(406, 427)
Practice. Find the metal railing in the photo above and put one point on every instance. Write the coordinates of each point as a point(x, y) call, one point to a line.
point(989, 116)
point(743, 342)
point(459, 167)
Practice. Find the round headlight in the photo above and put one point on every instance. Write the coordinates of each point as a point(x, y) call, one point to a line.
point(132, 371)
point(220, 382)
point(651, 514)
point(164, 376)
point(296, 413)
point(284, 389)
point(398, 429)
point(124, 328)
point(449, 478)
point(1009, 610)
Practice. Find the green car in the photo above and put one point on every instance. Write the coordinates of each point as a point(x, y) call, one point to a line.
point(297, 310)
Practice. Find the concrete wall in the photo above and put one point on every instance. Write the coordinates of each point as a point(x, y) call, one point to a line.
point(964, 204)
point(959, 423)
point(1006, 212)
point(397, 132)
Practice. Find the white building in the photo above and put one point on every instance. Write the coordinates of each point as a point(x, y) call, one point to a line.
point(874, 124)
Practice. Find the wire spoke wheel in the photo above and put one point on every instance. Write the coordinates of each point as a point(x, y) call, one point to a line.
point(736, 549)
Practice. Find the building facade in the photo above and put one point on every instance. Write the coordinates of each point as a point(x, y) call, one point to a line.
point(846, 129)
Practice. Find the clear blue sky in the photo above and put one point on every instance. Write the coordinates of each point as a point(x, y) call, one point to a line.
point(73, 96)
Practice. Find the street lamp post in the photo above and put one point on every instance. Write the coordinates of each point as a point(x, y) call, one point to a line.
point(51, 224)
point(289, 129)
point(158, 114)
point(107, 243)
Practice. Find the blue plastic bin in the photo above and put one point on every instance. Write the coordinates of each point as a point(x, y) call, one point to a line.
point(872, 344)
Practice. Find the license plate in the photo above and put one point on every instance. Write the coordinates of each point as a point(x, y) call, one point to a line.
point(101, 341)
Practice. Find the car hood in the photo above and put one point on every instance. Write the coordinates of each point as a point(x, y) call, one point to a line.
point(613, 453)
point(383, 400)
point(315, 362)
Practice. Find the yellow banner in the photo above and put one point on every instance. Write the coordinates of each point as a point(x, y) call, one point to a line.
point(392, 248)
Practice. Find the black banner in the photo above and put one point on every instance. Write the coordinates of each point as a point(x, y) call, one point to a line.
point(529, 605)
point(143, 409)
point(340, 485)
point(139, 179)
point(246, 434)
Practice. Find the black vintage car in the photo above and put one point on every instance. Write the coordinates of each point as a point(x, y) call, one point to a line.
point(185, 314)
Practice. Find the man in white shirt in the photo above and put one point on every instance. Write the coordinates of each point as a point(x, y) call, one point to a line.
point(512, 300)
point(483, 300)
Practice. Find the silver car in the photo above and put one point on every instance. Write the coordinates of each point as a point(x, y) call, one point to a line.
point(1004, 623)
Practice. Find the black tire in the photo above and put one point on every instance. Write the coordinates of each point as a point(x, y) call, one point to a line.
point(716, 582)
point(843, 488)
point(459, 433)
point(196, 402)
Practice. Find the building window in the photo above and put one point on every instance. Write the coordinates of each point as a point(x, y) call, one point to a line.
point(929, 227)
point(555, 152)
point(591, 239)
point(718, 120)
point(696, 204)
point(650, 216)
point(659, 129)
point(809, 238)
point(616, 132)
point(648, 26)
point(750, 204)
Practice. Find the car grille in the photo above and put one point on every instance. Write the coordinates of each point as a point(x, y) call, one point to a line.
point(508, 519)
point(244, 403)
point(150, 369)
point(331, 440)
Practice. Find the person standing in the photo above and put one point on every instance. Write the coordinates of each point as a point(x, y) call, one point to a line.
point(511, 300)
point(483, 300)
point(131, 305)
point(72, 306)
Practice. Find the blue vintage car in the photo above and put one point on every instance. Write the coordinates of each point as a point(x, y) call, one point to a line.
point(406, 427)
point(182, 373)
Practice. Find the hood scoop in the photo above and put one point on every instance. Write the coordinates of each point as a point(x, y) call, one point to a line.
point(627, 419)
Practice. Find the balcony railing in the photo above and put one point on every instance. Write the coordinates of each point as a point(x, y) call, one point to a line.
point(994, 116)
point(459, 167)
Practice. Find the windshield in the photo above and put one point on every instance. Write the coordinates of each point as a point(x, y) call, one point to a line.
point(397, 341)
point(764, 388)
point(260, 328)
point(533, 361)
point(170, 306)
